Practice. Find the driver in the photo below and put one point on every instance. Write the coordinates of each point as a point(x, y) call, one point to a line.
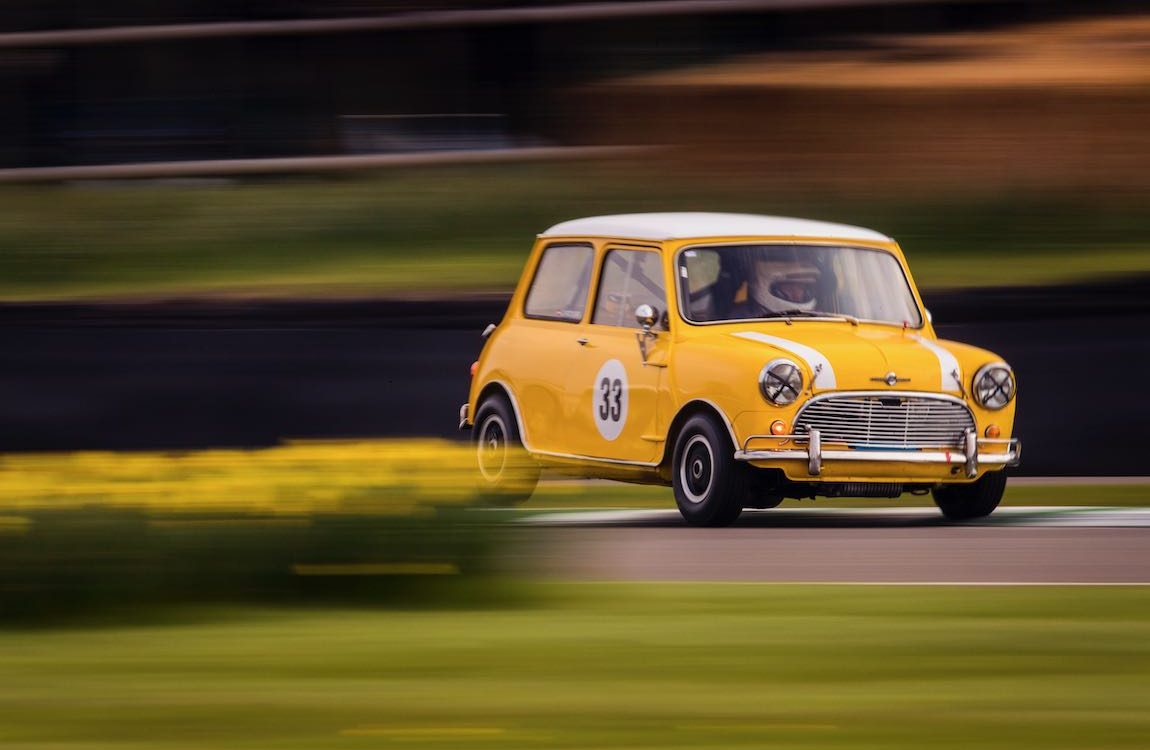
point(780, 279)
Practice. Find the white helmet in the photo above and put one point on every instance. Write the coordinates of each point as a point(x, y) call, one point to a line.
point(780, 285)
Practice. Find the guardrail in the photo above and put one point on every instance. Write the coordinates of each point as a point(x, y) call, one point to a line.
point(425, 20)
point(299, 164)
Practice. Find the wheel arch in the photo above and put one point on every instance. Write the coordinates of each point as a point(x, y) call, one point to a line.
point(498, 387)
point(686, 411)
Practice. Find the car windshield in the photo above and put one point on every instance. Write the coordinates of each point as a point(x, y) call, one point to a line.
point(748, 282)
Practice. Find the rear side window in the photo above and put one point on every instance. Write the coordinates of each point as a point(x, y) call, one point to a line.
point(562, 279)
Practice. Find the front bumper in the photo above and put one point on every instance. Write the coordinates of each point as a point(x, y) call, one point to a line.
point(463, 417)
point(968, 456)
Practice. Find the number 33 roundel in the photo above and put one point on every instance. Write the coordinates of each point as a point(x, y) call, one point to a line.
point(609, 401)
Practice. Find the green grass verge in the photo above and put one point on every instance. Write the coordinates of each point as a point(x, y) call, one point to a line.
point(602, 665)
point(564, 495)
point(130, 536)
point(471, 228)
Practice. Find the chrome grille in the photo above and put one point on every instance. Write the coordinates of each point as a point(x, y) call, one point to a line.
point(886, 421)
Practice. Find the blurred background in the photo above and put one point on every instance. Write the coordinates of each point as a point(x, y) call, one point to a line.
point(246, 251)
point(345, 193)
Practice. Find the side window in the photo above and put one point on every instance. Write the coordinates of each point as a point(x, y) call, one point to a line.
point(562, 279)
point(630, 278)
point(699, 272)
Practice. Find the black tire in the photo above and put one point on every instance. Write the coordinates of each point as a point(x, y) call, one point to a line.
point(507, 475)
point(710, 485)
point(959, 502)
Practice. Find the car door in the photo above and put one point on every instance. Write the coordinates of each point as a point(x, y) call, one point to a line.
point(613, 394)
point(542, 346)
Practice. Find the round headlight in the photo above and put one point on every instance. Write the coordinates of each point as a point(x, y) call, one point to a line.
point(781, 382)
point(994, 385)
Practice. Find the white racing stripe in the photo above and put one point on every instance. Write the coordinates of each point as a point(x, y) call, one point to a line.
point(824, 378)
point(948, 365)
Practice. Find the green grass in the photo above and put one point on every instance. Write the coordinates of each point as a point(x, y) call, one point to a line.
point(1128, 495)
point(609, 665)
point(559, 496)
point(446, 229)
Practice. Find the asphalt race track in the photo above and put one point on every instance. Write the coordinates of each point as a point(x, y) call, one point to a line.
point(183, 377)
point(1036, 546)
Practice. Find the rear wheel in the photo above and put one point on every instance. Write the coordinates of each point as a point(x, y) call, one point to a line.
point(710, 486)
point(959, 502)
point(507, 474)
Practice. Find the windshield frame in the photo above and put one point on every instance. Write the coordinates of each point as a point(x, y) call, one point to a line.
point(694, 245)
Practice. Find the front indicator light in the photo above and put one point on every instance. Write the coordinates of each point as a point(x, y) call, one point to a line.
point(474, 367)
point(778, 427)
point(993, 431)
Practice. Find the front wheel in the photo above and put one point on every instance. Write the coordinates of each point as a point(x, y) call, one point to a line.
point(507, 474)
point(709, 484)
point(960, 502)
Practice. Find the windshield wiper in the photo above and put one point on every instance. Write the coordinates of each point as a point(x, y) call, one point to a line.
point(788, 314)
point(840, 316)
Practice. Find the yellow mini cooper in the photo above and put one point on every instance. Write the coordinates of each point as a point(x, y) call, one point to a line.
point(740, 359)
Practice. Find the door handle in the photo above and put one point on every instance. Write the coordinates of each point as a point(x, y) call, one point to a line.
point(582, 342)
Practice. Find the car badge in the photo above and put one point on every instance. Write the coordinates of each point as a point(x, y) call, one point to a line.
point(891, 379)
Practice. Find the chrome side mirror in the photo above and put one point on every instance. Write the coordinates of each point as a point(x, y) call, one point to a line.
point(646, 316)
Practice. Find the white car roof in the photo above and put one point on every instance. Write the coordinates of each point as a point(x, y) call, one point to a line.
point(678, 226)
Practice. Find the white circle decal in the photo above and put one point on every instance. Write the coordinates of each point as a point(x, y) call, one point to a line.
point(609, 399)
